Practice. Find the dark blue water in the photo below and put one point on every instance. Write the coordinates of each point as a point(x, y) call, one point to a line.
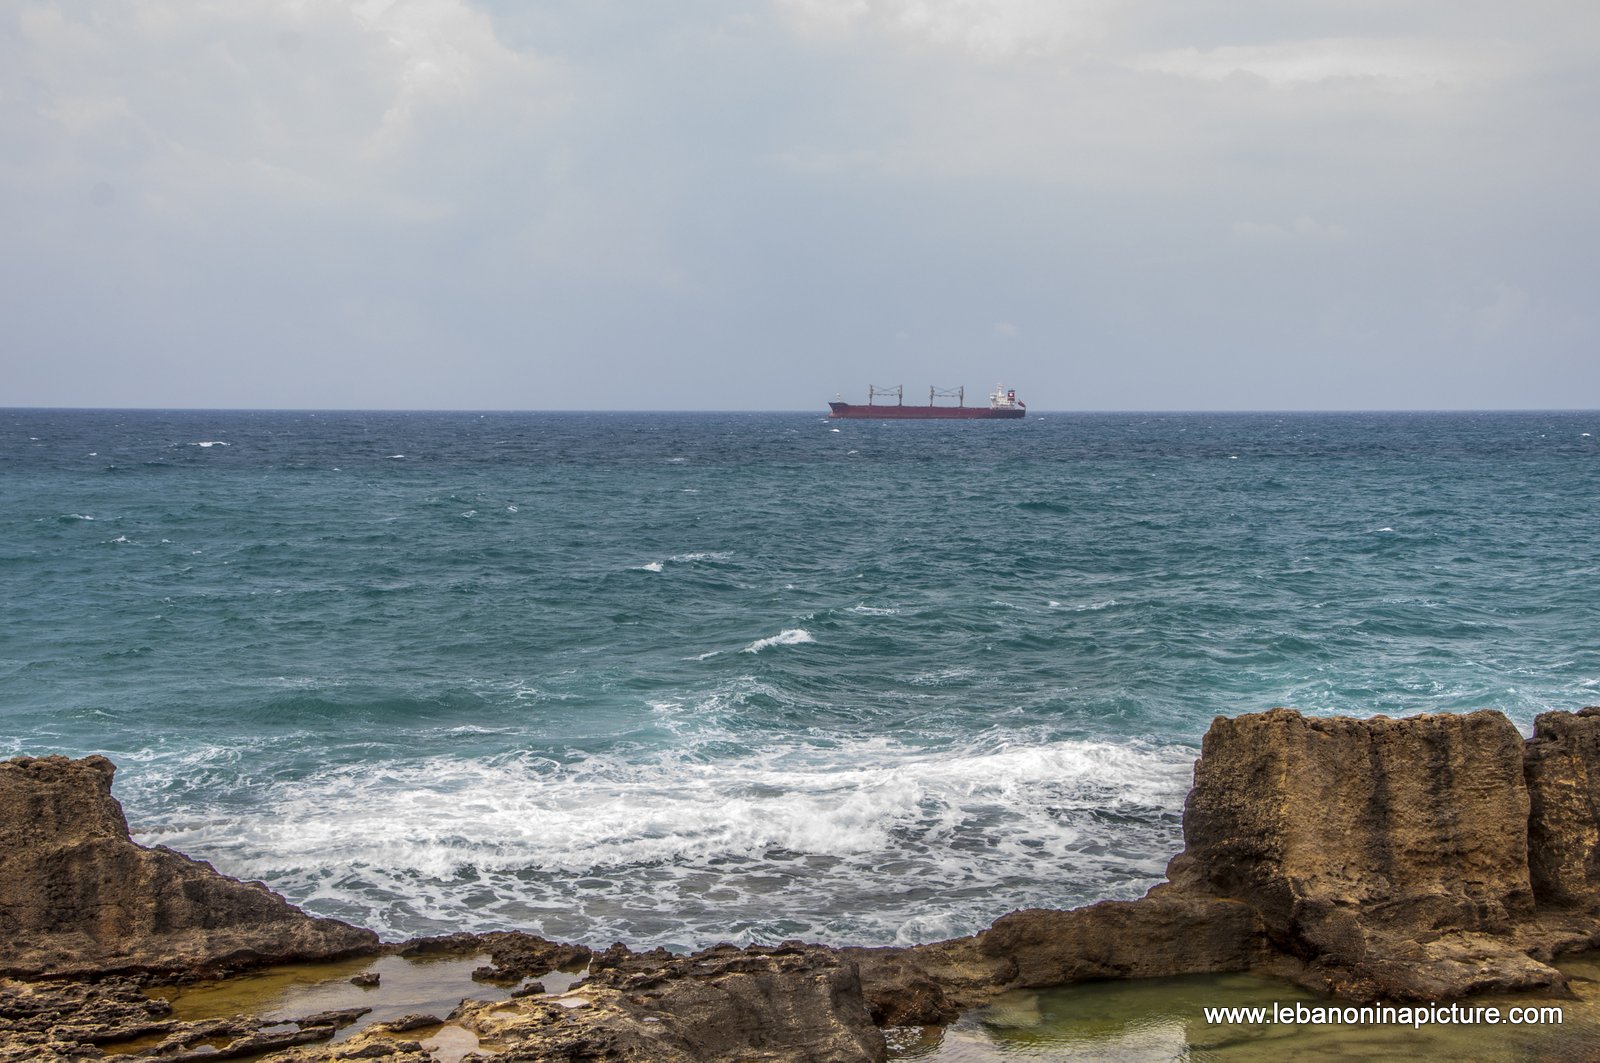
point(681, 678)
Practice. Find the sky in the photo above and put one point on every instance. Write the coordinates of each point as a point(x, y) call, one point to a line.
point(592, 204)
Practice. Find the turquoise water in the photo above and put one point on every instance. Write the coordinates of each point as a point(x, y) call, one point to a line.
point(683, 678)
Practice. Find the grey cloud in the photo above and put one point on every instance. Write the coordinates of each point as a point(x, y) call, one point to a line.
point(437, 202)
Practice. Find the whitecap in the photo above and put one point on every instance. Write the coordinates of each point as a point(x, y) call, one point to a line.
point(80, 516)
point(703, 555)
point(794, 636)
point(211, 443)
point(949, 838)
point(1381, 530)
point(869, 610)
point(649, 566)
point(392, 456)
point(120, 539)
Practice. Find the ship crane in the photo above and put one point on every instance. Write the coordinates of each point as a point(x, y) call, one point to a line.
point(959, 394)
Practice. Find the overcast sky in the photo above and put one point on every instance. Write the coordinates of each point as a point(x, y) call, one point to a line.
point(588, 204)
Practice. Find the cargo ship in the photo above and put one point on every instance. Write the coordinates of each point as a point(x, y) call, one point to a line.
point(1003, 404)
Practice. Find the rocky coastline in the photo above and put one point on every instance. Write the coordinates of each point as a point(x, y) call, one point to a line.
point(1428, 858)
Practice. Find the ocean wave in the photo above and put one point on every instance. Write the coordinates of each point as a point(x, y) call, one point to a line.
point(794, 636)
point(691, 845)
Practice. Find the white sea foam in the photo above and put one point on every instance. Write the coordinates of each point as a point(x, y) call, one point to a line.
point(793, 636)
point(649, 566)
point(120, 539)
point(80, 516)
point(396, 455)
point(942, 676)
point(701, 555)
point(870, 610)
point(869, 840)
point(211, 443)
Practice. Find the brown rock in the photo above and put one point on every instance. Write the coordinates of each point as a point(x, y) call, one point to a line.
point(1356, 840)
point(1311, 820)
point(1167, 933)
point(1562, 769)
point(78, 896)
point(516, 955)
point(1392, 858)
point(799, 1003)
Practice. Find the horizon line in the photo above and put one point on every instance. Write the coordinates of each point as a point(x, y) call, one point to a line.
point(820, 413)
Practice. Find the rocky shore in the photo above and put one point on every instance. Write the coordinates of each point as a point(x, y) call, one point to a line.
point(1420, 859)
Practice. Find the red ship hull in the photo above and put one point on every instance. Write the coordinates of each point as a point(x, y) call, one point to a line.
point(925, 413)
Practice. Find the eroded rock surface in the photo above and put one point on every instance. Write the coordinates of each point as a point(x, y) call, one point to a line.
point(516, 955)
point(789, 1004)
point(1388, 853)
point(1424, 858)
point(79, 897)
point(56, 1020)
point(1562, 768)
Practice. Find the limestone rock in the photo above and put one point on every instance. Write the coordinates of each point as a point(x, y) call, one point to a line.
point(790, 1004)
point(78, 896)
point(1421, 821)
point(1563, 776)
point(516, 955)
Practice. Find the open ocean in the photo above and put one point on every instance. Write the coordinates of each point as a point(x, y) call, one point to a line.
point(678, 679)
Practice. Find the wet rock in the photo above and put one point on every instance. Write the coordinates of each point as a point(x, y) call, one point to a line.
point(407, 1023)
point(516, 955)
point(81, 898)
point(369, 980)
point(789, 1003)
point(1425, 858)
point(76, 1017)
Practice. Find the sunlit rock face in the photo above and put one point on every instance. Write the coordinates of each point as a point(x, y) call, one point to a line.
point(78, 896)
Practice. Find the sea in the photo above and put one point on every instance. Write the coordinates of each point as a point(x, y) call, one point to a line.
point(684, 678)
